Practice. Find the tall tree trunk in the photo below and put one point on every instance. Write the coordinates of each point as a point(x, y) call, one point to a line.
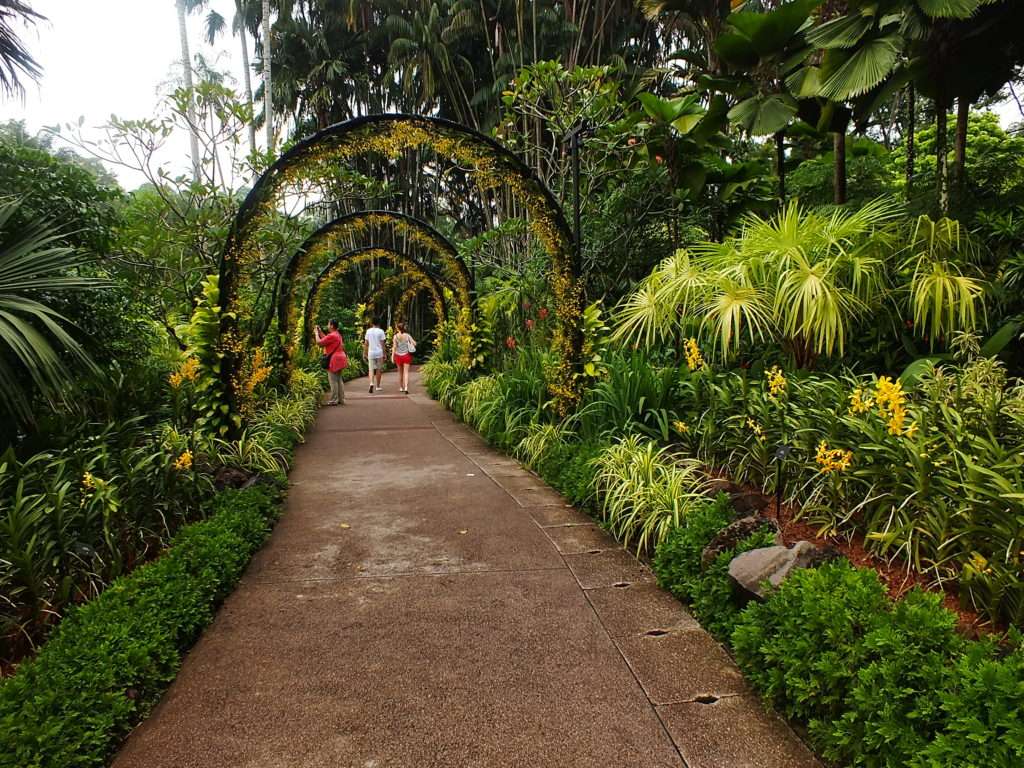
point(839, 181)
point(780, 165)
point(248, 82)
point(186, 69)
point(963, 111)
point(910, 129)
point(941, 161)
point(268, 99)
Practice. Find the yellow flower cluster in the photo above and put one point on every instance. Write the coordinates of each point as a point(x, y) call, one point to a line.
point(694, 359)
point(259, 371)
point(188, 371)
point(776, 381)
point(891, 400)
point(184, 462)
point(859, 403)
point(832, 459)
point(757, 429)
point(978, 565)
point(681, 427)
point(89, 481)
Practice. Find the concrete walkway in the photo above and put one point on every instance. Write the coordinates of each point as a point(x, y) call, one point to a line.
point(425, 601)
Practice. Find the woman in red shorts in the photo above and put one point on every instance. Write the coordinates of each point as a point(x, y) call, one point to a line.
point(402, 347)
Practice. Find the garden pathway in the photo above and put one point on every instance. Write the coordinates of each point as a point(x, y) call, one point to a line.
point(425, 601)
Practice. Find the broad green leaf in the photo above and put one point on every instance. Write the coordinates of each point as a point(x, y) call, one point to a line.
point(998, 341)
point(949, 9)
point(863, 69)
point(764, 114)
point(843, 32)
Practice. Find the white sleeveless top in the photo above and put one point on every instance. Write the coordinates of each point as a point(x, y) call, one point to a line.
point(402, 344)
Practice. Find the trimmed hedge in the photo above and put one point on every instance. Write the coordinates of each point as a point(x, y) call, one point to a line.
point(111, 659)
point(880, 684)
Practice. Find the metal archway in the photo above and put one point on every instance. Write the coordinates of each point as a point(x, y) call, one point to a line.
point(325, 241)
point(488, 163)
point(351, 258)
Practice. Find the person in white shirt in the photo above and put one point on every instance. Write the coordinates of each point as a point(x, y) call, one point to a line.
point(373, 349)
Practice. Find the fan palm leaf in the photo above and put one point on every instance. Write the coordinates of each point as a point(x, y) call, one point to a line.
point(37, 354)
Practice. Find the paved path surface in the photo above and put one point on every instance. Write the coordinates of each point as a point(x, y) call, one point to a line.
point(425, 601)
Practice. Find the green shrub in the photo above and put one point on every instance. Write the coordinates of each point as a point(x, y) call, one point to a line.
point(110, 660)
point(803, 647)
point(571, 471)
point(830, 649)
point(982, 709)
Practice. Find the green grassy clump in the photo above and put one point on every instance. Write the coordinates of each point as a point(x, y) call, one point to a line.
point(110, 659)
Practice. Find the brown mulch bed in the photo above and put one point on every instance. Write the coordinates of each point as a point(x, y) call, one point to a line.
point(898, 577)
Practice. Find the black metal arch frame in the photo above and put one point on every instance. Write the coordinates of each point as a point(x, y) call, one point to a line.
point(489, 163)
point(353, 257)
point(358, 222)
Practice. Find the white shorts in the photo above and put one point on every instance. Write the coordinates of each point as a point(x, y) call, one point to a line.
point(376, 364)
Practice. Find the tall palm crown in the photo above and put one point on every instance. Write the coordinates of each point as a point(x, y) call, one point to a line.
point(15, 60)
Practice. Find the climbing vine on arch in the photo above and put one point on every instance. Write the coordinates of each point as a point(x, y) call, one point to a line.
point(350, 259)
point(491, 166)
point(374, 228)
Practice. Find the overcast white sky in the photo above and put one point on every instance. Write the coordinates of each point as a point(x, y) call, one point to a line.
point(104, 57)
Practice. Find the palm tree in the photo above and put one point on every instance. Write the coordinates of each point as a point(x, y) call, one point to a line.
point(243, 19)
point(37, 354)
point(185, 7)
point(15, 60)
point(432, 68)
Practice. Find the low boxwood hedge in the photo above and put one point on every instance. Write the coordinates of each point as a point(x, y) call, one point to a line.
point(110, 659)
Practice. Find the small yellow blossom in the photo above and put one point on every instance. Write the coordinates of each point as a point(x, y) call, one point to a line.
point(832, 459)
point(681, 427)
point(859, 403)
point(757, 429)
point(184, 462)
point(978, 564)
point(189, 371)
point(89, 481)
point(776, 381)
point(694, 358)
point(891, 399)
point(911, 430)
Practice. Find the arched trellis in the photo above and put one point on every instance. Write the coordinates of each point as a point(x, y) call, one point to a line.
point(349, 259)
point(388, 285)
point(373, 225)
point(410, 293)
point(489, 164)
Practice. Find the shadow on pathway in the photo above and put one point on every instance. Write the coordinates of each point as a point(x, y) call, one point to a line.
point(425, 601)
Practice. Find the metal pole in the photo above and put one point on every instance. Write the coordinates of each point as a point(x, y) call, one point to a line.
point(576, 194)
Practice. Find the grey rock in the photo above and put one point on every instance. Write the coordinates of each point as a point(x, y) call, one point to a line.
point(733, 534)
point(757, 572)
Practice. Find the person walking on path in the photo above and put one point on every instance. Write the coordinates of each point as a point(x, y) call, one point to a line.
point(373, 349)
point(335, 359)
point(403, 345)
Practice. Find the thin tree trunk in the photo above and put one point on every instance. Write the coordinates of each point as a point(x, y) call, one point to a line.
point(268, 100)
point(839, 148)
point(186, 69)
point(963, 110)
point(248, 83)
point(941, 161)
point(911, 128)
point(780, 165)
